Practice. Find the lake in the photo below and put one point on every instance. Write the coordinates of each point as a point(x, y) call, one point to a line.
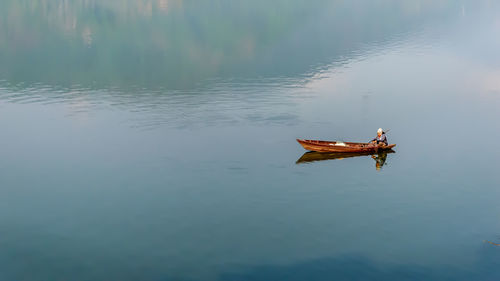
point(155, 140)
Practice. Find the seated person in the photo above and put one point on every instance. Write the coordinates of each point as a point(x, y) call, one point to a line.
point(381, 138)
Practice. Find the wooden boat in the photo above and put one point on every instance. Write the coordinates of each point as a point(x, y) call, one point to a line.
point(333, 146)
point(313, 156)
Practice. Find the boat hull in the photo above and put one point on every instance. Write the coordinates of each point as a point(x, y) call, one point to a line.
point(332, 146)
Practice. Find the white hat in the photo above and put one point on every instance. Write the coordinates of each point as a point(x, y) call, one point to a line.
point(380, 130)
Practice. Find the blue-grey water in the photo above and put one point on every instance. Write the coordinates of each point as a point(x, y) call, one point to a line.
point(155, 140)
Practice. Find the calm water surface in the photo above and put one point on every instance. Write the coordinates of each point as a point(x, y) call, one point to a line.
point(155, 140)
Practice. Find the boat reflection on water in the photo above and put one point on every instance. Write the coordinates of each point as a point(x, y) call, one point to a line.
point(379, 158)
point(492, 243)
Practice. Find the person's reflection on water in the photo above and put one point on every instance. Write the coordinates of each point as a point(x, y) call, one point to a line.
point(380, 160)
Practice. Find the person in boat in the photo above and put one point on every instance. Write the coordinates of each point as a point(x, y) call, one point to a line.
point(381, 137)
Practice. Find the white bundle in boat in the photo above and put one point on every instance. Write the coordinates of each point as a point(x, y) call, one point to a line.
point(339, 143)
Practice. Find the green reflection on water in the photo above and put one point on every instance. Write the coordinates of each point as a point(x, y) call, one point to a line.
point(181, 44)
